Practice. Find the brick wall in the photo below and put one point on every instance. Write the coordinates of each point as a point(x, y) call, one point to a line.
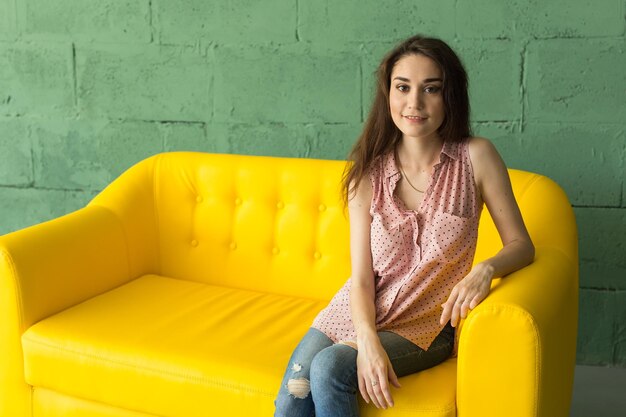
point(87, 88)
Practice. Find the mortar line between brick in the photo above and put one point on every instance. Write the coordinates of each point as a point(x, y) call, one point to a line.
point(212, 86)
point(622, 201)
point(29, 135)
point(578, 37)
point(164, 136)
point(523, 75)
point(297, 20)
point(32, 186)
point(150, 21)
point(496, 121)
point(598, 207)
point(456, 31)
point(161, 121)
point(602, 289)
point(75, 82)
point(361, 87)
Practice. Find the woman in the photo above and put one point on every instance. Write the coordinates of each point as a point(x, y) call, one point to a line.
point(414, 193)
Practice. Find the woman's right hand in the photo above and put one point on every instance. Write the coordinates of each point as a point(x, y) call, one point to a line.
point(375, 371)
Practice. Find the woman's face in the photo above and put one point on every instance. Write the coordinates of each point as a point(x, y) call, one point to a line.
point(415, 97)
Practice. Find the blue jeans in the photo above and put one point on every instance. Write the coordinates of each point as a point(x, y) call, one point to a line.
point(321, 377)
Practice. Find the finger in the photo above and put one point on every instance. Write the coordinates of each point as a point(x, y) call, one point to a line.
point(465, 308)
point(385, 392)
point(448, 306)
point(393, 378)
point(363, 389)
point(447, 310)
point(380, 396)
point(371, 392)
point(447, 316)
point(444, 314)
point(455, 312)
point(475, 301)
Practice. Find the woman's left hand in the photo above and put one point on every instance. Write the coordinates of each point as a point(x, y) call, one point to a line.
point(467, 294)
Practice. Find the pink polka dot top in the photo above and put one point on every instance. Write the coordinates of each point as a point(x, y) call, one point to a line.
point(418, 256)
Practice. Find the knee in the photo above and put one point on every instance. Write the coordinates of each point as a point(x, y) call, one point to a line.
point(331, 363)
point(299, 387)
point(293, 399)
point(294, 394)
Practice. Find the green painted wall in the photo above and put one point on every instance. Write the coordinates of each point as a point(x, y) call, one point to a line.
point(88, 88)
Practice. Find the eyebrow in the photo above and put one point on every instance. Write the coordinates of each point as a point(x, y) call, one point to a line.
point(427, 80)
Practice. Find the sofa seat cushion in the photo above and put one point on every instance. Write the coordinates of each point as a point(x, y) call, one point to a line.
point(179, 348)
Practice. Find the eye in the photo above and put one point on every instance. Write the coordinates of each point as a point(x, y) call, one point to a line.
point(432, 89)
point(402, 88)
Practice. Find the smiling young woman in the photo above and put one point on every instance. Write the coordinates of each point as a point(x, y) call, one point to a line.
point(417, 109)
point(415, 192)
point(415, 98)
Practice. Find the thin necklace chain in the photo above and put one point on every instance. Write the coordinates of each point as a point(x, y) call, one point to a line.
point(407, 178)
point(404, 175)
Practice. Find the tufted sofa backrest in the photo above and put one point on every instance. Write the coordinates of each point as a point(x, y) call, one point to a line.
point(259, 223)
point(272, 224)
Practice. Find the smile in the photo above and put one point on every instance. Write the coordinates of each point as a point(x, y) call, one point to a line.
point(415, 118)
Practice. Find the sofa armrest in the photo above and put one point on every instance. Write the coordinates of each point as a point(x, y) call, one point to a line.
point(517, 349)
point(45, 269)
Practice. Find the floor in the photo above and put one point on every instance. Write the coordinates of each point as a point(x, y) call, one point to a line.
point(599, 392)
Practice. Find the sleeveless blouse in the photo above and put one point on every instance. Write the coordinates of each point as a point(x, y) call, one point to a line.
point(418, 256)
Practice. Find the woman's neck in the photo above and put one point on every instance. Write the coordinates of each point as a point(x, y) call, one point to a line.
point(417, 154)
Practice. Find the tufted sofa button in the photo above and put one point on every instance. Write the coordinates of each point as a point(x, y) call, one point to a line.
point(194, 243)
point(199, 199)
point(233, 245)
point(280, 205)
point(275, 251)
point(317, 256)
point(321, 207)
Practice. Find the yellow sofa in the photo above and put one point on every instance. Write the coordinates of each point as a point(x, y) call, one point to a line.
point(183, 287)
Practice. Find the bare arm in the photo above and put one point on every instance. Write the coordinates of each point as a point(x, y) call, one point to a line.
point(362, 289)
point(373, 365)
point(493, 182)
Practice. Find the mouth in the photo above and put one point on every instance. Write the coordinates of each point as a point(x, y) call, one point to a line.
point(414, 118)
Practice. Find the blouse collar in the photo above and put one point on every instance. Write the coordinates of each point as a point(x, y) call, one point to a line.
point(450, 150)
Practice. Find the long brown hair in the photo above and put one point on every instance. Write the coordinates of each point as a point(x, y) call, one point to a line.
point(380, 135)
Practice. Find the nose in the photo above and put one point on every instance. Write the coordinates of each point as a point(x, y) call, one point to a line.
point(416, 100)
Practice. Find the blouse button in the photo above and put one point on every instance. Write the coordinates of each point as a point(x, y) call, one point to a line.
point(194, 243)
point(317, 256)
point(233, 246)
point(238, 201)
point(275, 251)
point(280, 205)
point(199, 199)
point(321, 207)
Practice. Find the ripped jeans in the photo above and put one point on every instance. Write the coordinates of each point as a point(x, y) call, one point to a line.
point(321, 377)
